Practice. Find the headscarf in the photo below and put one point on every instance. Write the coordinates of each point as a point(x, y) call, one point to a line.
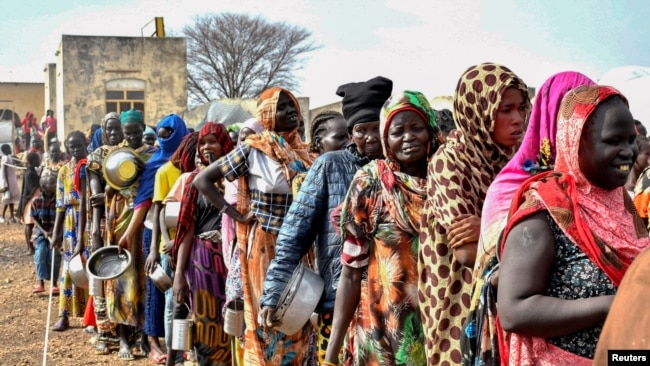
point(167, 148)
point(230, 193)
point(402, 194)
point(221, 133)
point(470, 155)
point(252, 124)
point(104, 128)
point(149, 131)
point(286, 148)
point(538, 146)
point(97, 140)
point(185, 156)
point(132, 115)
point(602, 223)
point(188, 203)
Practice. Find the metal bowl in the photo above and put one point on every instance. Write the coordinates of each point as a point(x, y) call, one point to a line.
point(78, 270)
point(160, 278)
point(122, 168)
point(299, 299)
point(107, 264)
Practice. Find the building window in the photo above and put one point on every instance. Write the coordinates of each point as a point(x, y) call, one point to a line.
point(123, 100)
point(124, 94)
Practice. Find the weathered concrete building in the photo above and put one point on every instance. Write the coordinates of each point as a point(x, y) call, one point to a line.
point(23, 98)
point(96, 75)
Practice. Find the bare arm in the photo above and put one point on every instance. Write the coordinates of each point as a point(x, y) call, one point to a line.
point(525, 268)
point(463, 235)
point(154, 254)
point(204, 182)
point(83, 218)
point(181, 288)
point(57, 232)
point(97, 205)
point(347, 294)
point(136, 222)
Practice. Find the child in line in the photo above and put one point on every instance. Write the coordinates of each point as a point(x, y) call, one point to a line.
point(43, 213)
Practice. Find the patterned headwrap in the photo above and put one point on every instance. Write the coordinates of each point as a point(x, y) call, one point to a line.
point(286, 148)
point(191, 195)
point(221, 133)
point(402, 194)
point(160, 157)
point(109, 116)
point(132, 116)
point(538, 146)
point(602, 224)
point(470, 154)
point(408, 100)
point(185, 156)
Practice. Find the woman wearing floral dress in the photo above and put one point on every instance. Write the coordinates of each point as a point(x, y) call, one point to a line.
point(69, 230)
point(380, 224)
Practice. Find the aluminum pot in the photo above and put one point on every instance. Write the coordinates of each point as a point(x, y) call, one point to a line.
point(233, 323)
point(95, 286)
point(299, 300)
point(182, 334)
point(122, 168)
point(77, 270)
point(172, 209)
point(160, 278)
point(108, 263)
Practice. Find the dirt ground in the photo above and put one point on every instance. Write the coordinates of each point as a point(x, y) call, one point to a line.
point(24, 316)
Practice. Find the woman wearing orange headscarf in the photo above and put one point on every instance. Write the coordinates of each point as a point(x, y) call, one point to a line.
point(265, 165)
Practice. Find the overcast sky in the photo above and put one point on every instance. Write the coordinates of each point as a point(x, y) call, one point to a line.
point(421, 44)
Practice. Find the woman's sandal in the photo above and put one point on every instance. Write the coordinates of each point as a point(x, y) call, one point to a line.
point(38, 289)
point(101, 348)
point(125, 355)
point(61, 325)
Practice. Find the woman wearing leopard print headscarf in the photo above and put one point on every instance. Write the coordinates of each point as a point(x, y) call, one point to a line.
point(490, 108)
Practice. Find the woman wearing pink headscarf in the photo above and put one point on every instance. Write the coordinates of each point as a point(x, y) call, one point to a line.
point(571, 235)
point(536, 154)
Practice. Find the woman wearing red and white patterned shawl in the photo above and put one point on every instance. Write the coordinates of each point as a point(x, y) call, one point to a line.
point(572, 234)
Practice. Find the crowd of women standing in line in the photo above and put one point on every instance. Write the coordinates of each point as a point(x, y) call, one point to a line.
point(413, 220)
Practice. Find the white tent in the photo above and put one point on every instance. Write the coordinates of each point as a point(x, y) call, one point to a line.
point(634, 83)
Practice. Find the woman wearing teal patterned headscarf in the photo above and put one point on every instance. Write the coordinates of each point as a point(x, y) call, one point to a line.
point(380, 222)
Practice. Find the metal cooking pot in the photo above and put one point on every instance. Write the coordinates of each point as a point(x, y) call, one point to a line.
point(78, 271)
point(182, 339)
point(172, 209)
point(299, 300)
point(122, 168)
point(107, 264)
point(160, 278)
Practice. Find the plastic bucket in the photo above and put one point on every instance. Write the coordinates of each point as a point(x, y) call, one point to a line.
point(182, 334)
point(234, 318)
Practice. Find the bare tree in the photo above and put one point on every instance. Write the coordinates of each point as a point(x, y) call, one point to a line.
point(237, 56)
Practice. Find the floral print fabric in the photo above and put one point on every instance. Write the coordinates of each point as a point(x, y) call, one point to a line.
point(387, 325)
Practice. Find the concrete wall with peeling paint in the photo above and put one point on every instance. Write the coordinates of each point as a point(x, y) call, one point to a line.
point(85, 64)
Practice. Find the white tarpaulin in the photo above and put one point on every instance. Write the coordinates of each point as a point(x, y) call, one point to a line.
point(634, 83)
point(7, 132)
